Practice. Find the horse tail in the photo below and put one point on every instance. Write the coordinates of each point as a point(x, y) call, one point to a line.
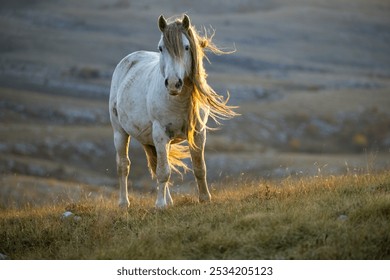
point(177, 153)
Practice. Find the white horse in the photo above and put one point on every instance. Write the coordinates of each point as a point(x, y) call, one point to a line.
point(162, 99)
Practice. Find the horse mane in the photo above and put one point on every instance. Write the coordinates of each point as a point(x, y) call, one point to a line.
point(203, 97)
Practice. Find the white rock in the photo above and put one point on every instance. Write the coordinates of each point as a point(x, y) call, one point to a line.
point(77, 218)
point(342, 218)
point(67, 214)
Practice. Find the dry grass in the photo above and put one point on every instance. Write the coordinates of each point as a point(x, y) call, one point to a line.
point(345, 217)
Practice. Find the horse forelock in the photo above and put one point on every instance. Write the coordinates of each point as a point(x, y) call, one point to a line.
point(173, 39)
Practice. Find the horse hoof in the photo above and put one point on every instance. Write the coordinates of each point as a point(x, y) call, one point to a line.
point(160, 205)
point(124, 204)
point(204, 198)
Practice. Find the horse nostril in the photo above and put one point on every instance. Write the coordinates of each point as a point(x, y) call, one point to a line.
point(179, 84)
point(166, 82)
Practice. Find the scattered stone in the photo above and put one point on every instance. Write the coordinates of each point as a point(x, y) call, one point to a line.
point(342, 218)
point(77, 218)
point(68, 215)
point(3, 257)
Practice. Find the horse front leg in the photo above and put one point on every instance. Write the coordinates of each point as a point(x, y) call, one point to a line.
point(199, 166)
point(163, 170)
point(121, 142)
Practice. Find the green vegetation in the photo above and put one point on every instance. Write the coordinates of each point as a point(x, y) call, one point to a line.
point(344, 217)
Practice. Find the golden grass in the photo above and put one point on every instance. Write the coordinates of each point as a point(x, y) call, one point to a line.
point(343, 217)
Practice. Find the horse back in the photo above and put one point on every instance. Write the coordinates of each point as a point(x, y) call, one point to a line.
point(132, 61)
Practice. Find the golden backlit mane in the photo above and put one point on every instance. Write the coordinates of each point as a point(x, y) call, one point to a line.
point(203, 98)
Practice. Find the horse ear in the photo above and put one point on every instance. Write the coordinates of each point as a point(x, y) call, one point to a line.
point(162, 23)
point(186, 22)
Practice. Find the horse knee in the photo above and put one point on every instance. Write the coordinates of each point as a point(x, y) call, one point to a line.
point(163, 178)
point(123, 167)
point(200, 173)
point(163, 174)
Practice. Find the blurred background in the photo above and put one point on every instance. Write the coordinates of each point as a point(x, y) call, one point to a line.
point(311, 79)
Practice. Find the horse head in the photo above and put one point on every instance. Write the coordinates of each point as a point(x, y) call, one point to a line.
point(175, 53)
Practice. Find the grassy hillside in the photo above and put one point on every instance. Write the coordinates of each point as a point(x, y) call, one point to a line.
point(345, 217)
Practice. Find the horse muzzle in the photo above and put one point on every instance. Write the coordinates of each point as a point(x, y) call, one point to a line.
point(174, 86)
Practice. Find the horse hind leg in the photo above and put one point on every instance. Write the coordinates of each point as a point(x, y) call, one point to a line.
point(151, 156)
point(199, 166)
point(121, 142)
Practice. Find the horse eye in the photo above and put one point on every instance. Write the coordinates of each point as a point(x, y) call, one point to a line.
point(160, 48)
point(187, 47)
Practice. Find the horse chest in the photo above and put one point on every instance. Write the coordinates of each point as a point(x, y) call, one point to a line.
point(172, 119)
point(177, 130)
